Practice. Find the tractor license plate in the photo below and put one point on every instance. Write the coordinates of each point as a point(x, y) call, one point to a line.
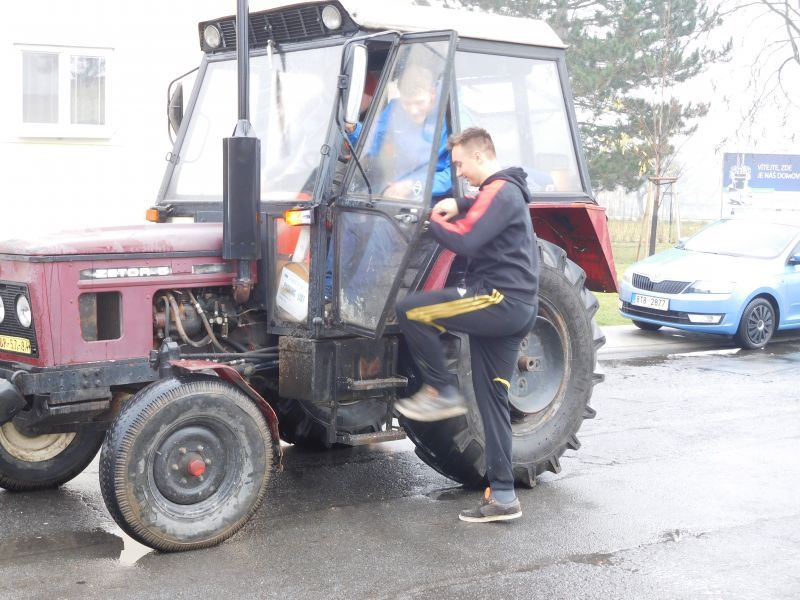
point(15, 344)
point(650, 302)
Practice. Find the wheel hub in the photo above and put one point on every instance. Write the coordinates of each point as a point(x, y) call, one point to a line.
point(190, 465)
point(540, 369)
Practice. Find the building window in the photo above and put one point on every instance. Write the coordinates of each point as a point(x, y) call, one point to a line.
point(64, 91)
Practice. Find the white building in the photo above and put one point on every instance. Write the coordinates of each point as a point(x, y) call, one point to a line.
point(83, 128)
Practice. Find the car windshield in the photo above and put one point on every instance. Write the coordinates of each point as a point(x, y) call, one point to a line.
point(742, 238)
point(291, 98)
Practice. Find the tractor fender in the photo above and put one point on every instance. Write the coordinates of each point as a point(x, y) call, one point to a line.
point(233, 376)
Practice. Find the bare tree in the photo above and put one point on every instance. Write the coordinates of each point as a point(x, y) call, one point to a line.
point(776, 67)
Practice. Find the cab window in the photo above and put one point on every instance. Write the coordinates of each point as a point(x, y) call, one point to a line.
point(521, 103)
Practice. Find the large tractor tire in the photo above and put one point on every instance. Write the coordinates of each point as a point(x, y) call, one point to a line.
point(550, 389)
point(186, 463)
point(45, 461)
point(304, 424)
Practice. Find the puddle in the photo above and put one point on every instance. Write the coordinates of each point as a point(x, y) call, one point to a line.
point(596, 560)
point(132, 551)
point(717, 352)
point(74, 545)
point(65, 544)
point(451, 493)
point(673, 535)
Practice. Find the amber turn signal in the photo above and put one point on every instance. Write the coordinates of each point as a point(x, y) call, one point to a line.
point(297, 217)
point(152, 215)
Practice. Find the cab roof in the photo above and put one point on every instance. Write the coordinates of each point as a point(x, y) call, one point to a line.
point(469, 24)
point(401, 15)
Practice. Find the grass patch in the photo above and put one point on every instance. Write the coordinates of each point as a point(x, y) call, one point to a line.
point(625, 248)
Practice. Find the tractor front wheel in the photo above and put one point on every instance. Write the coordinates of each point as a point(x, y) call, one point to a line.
point(186, 463)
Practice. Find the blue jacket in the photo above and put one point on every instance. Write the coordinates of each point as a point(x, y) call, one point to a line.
point(410, 146)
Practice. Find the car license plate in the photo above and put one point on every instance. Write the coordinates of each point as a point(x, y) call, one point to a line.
point(15, 344)
point(650, 302)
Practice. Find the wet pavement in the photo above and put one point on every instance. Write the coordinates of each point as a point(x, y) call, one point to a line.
point(687, 486)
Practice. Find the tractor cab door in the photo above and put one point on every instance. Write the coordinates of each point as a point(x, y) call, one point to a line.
point(401, 165)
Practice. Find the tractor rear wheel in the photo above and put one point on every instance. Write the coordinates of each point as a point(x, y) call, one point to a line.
point(186, 463)
point(550, 390)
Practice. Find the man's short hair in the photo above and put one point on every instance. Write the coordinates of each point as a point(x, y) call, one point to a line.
point(476, 137)
point(416, 79)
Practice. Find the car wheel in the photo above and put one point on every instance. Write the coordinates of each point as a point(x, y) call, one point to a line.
point(757, 325)
point(644, 326)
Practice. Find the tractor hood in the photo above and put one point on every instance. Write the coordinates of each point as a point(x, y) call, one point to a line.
point(131, 239)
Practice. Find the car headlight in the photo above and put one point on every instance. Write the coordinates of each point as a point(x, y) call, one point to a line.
point(23, 311)
point(627, 276)
point(2, 310)
point(707, 286)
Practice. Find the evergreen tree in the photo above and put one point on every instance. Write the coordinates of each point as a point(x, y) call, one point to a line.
point(625, 57)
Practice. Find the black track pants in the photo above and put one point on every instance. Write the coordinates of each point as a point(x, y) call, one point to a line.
point(495, 324)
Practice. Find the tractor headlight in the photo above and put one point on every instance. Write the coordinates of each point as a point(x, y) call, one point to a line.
point(23, 311)
point(331, 17)
point(212, 36)
point(2, 310)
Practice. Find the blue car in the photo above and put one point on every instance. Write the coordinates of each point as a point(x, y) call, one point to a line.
point(737, 277)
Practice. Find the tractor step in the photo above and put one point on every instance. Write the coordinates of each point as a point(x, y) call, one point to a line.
point(361, 439)
point(360, 385)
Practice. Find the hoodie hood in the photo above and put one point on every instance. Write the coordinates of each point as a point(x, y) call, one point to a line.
point(514, 175)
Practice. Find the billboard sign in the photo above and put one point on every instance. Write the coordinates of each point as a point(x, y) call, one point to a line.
point(760, 181)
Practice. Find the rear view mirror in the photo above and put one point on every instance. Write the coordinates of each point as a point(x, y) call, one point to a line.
point(794, 259)
point(175, 108)
point(357, 69)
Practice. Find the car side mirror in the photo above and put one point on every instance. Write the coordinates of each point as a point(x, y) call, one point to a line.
point(681, 242)
point(794, 259)
point(175, 108)
point(357, 69)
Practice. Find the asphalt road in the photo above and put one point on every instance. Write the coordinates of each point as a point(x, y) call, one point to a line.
point(687, 486)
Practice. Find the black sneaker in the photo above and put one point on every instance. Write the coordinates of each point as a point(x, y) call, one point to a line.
point(430, 404)
point(491, 510)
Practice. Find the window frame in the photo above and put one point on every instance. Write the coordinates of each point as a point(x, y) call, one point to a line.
point(63, 128)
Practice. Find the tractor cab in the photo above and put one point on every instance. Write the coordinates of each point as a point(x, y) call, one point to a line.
point(343, 204)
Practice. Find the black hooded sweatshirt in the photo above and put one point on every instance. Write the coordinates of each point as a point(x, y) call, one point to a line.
point(494, 231)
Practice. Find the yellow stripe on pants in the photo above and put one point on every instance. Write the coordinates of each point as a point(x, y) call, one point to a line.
point(452, 308)
point(503, 381)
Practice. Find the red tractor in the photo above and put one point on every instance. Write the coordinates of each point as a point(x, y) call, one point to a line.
point(190, 346)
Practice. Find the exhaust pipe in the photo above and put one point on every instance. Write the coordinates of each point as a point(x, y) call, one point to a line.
point(241, 196)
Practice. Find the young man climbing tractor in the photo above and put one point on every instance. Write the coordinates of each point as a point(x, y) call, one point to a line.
point(496, 307)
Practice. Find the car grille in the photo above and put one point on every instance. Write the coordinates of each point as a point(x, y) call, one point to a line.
point(643, 282)
point(10, 325)
point(671, 316)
